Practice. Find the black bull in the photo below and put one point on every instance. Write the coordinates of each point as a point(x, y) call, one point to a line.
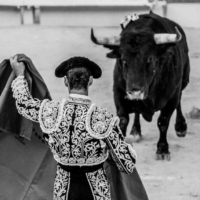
point(152, 68)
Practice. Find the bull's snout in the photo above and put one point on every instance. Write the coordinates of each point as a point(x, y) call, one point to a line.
point(135, 94)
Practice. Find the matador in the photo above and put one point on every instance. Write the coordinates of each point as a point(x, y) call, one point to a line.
point(79, 133)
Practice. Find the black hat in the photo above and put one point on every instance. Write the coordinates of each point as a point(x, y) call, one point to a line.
point(76, 62)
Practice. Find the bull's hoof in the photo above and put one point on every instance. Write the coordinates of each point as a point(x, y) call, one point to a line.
point(162, 152)
point(164, 156)
point(133, 139)
point(137, 138)
point(181, 134)
point(135, 135)
point(181, 129)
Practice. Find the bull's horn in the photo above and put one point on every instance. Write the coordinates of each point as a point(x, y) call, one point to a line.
point(163, 38)
point(114, 41)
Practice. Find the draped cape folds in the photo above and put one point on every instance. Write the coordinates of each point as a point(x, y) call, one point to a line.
point(10, 120)
point(27, 168)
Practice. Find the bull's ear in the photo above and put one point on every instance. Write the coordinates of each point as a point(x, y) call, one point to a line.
point(114, 53)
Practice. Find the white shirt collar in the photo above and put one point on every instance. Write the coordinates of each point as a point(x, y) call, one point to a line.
point(80, 96)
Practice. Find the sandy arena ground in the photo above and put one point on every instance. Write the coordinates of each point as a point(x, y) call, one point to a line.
point(178, 179)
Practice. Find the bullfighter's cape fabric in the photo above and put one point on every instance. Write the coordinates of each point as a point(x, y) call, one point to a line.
point(27, 168)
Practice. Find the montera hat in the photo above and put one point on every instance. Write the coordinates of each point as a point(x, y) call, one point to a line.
point(76, 62)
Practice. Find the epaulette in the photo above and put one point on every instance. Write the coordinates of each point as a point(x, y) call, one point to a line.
point(99, 122)
point(50, 115)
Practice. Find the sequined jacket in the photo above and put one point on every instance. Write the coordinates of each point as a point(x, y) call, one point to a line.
point(80, 133)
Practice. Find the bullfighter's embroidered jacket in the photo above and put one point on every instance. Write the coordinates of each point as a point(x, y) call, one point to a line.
point(80, 136)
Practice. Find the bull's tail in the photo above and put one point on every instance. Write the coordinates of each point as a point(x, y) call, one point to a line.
point(186, 73)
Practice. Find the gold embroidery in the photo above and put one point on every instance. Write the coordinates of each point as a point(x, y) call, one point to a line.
point(99, 122)
point(122, 153)
point(61, 184)
point(99, 185)
point(83, 150)
point(26, 105)
point(50, 115)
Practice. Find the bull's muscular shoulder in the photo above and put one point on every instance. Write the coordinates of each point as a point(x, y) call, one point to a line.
point(99, 122)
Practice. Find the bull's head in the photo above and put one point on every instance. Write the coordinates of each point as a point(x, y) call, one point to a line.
point(138, 54)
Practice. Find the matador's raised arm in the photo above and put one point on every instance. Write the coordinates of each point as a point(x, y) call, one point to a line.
point(45, 111)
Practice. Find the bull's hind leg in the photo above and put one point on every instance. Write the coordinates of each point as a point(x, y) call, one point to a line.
point(163, 124)
point(136, 128)
point(180, 126)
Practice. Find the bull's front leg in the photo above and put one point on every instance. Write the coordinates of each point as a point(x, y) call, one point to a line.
point(122, 107)
point(136, 128)
point(162, 145)
point(163, 124)
point(124, 120)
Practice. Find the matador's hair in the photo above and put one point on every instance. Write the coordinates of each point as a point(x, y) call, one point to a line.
point(78, 78)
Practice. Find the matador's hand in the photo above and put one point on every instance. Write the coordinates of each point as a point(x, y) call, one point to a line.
point(18, 67)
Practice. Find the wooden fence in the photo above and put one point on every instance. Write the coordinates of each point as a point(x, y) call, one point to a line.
point(35, 5)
